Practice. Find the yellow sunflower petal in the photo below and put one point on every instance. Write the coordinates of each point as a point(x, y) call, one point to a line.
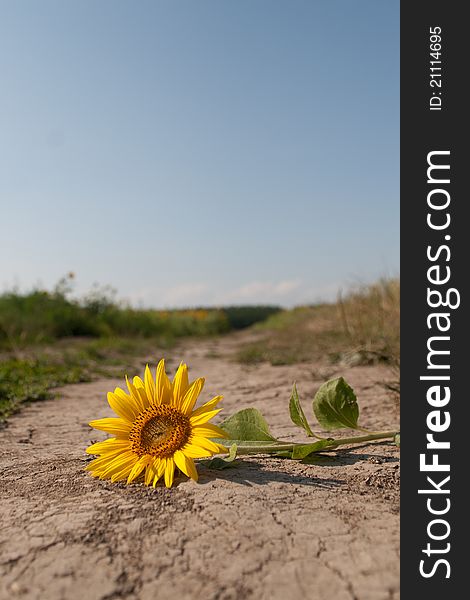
point(208, 430)
point(135, 395)
point(208, 445)
point(149, 473)
point(149, 385)
point(140, 387)
point(122, 394)
point(160, 469)
point(203, 417)
point(169, 472)
point(163, 391)
point(155, 468)
point(191, 396)
point(94, 474)
point(137, 468)
point(180, 385)
point(109, 445)
point(124, 472)
point(207, 406)
point(117, 427)
point(123, 409)
point(118, 464)
point(185, 464)
point(103, 463)
point(192, 451)
point(127, 399)
point(97, 465)
point(137, 381)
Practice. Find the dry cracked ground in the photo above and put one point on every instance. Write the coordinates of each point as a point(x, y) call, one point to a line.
point(268, 529)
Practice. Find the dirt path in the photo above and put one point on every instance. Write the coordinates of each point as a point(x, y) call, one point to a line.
point(269, 529)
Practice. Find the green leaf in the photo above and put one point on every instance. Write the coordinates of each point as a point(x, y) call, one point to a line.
point(247, 424)
point(304, 450)
point(335, 405)
point(297, 414)
point(218, 463)
point(396, 439)
point(232, 453)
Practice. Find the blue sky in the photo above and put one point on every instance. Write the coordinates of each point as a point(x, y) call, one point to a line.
point(200, 152)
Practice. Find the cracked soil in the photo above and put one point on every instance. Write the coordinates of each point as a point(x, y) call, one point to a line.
point(269, 529)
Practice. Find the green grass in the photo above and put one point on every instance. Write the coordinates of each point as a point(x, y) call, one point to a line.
point(33, 373)
point(31, 380)
point(370, 318)
point(42, 316)
point(300, 335)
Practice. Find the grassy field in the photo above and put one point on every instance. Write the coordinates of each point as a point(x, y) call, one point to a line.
point(48, 339)
point(29, 373)
point(362, 327)
point(43, 316)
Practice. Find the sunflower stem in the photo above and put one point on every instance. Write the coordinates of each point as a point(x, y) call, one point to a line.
point(376, 435)
point(264, 448)
point(271, 448)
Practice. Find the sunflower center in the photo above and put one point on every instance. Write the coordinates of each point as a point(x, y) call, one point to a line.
point(160, 431)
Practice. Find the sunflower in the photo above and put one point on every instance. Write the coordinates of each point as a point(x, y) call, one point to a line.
point(157, 429)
